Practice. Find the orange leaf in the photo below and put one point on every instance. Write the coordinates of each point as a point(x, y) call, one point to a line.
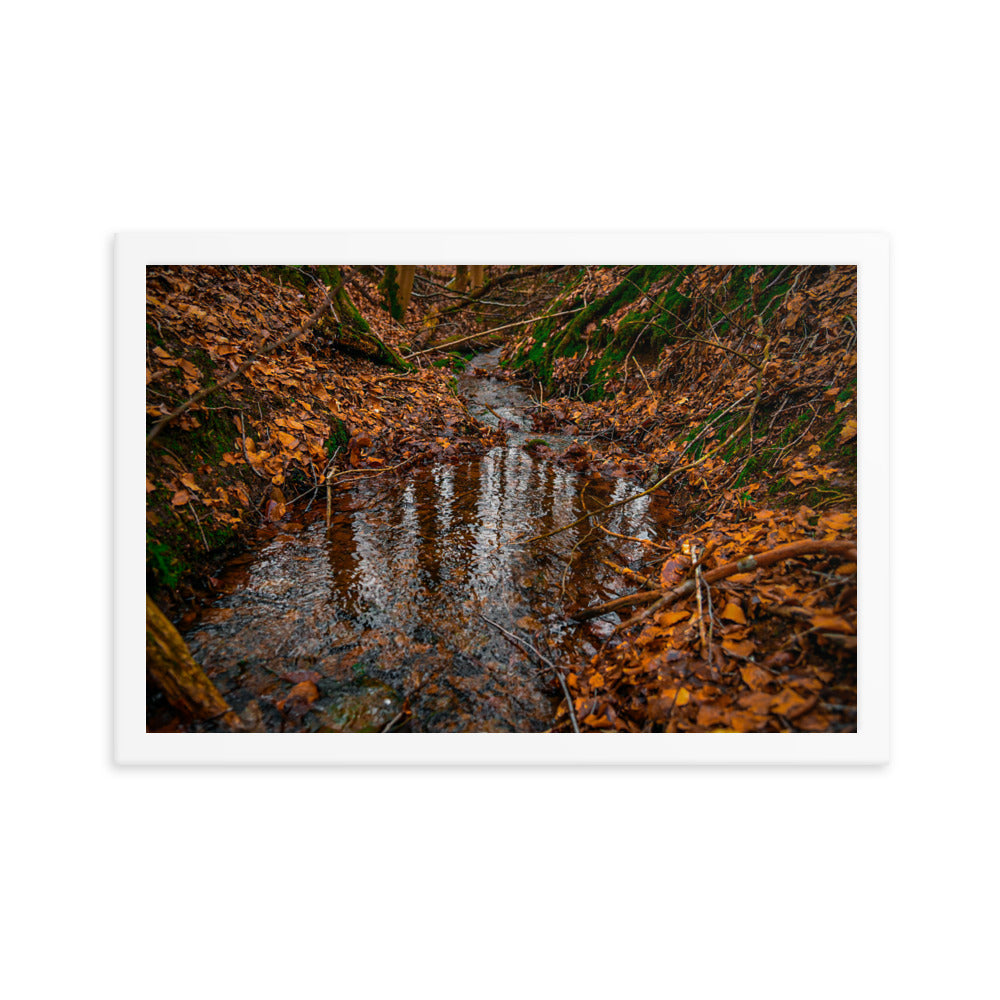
point(790, 704)
point(831, 623)
point(673, 572)
point(746, 722)
point(738, 647)
point(712, 715)
point(755, 678)
point(180, 498)
point(666, 618)
point(306, 690)
point(836, 522)
point(734, 613)
point(758, 702)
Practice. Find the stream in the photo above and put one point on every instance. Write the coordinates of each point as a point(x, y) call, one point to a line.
point(386, 609)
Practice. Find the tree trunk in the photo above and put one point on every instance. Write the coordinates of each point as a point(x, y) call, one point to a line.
point(461, 280)
point(405, 274)
point(476, 276)
point(389, 287)
point(350, 323)
point(185, 685)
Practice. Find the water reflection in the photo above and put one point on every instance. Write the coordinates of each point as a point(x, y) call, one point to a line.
point(393, 592)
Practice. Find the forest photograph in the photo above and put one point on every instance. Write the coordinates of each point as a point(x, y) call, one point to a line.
point(525, 498)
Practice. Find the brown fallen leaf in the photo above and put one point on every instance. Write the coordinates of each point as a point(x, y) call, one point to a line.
point(734, 613)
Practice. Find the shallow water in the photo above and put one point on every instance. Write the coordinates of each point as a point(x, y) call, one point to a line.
point(385, 609)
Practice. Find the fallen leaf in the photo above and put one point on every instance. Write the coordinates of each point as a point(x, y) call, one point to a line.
point(755, 678)
point(790, 704)
point(831, 623)
point(739, 647)
point(734, 613)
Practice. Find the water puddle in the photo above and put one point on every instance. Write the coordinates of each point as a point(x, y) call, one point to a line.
point(332, 631)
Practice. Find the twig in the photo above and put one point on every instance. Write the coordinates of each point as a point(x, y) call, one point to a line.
point(701, 617)
point(530, 650)
point(633, 538)
point(393, 721)
point(626, 572)
point(198, 522)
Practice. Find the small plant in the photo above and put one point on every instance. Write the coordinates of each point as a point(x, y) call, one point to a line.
point(162, 564)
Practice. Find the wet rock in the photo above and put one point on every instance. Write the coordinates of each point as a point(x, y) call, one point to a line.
point(365, 706)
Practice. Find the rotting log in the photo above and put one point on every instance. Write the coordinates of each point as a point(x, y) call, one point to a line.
point(185, 685)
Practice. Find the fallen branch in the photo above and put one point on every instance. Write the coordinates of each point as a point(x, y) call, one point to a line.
point(531, 651)
point(486, 333)
point(661, 598)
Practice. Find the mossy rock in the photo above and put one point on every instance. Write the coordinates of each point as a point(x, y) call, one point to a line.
point(364, 706)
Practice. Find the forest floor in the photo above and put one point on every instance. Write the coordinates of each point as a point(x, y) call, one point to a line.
point(749, 442)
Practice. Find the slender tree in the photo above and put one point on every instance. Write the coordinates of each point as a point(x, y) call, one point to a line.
point(461, 280)
point(405, 279)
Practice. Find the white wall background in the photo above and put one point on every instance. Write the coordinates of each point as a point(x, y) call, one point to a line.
point(687, 882)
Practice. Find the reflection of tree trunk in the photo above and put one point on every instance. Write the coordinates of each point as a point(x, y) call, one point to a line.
point(476, 276)
point(185, 685)
point(429, 539)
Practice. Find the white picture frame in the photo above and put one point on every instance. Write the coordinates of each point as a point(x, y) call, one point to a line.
point(869, 745)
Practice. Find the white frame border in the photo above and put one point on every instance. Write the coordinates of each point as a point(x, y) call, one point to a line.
point(870, 745)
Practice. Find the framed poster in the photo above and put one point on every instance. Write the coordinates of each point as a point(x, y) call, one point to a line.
point(449, 513)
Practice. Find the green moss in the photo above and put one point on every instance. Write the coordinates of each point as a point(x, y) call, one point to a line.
point(600, 372)
point(338, 436)
point(164, 566)
point(454, 362)
point(389, 287)
point(153, 335)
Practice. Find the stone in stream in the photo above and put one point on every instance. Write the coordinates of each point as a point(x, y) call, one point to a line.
point(365, 706)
